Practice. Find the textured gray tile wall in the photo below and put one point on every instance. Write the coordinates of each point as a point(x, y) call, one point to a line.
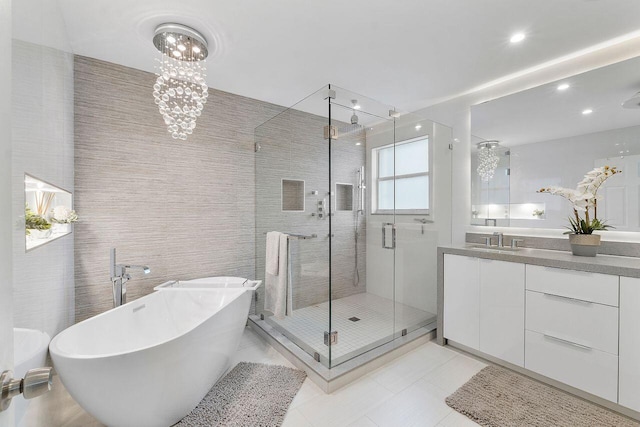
point(42, 134)
point(184, 208)
point(293, 147)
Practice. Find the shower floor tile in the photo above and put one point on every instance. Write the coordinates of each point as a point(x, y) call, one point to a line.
point(306, 326)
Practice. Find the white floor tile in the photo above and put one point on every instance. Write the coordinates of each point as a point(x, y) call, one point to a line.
point(295, 419)
point(308, 391)
point(346, 405)
point(454, 373)
point(456, 419)
point(404, 371)
point(420, 404)
point(363, 422)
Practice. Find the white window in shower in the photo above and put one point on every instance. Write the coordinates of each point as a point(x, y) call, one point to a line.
point(402, 177)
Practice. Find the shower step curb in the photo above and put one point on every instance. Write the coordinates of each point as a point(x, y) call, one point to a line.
point(330, 380)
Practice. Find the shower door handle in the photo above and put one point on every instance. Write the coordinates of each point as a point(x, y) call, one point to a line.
point(384, 235)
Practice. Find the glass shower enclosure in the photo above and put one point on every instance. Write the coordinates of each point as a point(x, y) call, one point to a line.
point(349, 182)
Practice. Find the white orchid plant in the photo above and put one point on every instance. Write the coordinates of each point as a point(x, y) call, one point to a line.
point(584, 200)
point(63, 215)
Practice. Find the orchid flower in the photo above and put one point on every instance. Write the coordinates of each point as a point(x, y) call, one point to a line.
point(585, 197)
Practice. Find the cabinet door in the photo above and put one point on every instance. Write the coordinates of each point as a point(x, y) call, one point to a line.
point(462, 300)
point(502, 310)
point(629, 381)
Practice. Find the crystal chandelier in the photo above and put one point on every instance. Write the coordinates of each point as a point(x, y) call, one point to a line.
point(180, 91)
point(487, 159)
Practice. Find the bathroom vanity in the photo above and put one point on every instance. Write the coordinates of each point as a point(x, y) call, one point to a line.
point(572, 322)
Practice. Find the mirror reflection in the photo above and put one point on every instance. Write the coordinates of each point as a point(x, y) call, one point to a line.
point(554, 134)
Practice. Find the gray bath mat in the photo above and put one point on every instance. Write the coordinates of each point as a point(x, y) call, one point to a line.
point(497, 397)
point(252, 394)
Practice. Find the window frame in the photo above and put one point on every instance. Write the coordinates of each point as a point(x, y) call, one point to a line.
point(375, 210)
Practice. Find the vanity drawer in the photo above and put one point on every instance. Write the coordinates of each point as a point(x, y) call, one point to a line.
point(582, 285)
point(591, 370)
point(582, 322)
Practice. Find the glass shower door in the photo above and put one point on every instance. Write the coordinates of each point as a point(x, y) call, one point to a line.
point(362, 222)
point(291, 180)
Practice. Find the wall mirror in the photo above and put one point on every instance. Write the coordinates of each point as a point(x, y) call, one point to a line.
point(552, 135)
point(49, 212)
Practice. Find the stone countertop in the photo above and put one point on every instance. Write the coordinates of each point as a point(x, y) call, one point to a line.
point(605, 264)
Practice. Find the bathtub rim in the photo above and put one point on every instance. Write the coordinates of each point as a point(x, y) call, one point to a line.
point(55, 351)
point(254, 284)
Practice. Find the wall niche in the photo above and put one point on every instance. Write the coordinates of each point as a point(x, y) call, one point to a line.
point(292, 195)
point(49, 212)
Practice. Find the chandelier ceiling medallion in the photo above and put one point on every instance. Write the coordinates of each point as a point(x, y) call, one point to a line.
point(487, 159)
point(180, 91)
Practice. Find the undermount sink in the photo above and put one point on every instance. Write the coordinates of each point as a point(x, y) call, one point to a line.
point(493, 248)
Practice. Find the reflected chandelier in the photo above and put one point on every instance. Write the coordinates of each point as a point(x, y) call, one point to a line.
point(180, 91)
point(487, 159)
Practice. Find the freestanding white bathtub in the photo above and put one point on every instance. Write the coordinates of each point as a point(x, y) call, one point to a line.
point(30, 352)
point(151, 361)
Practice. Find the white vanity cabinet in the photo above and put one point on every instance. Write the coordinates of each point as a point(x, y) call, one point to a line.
point(630, 343)
point(484, 306)
point(502, 310)
point(462, 300)
point(578, 328)
point(572, 328)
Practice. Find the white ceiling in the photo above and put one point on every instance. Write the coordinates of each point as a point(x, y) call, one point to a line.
point(544, 113)
point(404, 53)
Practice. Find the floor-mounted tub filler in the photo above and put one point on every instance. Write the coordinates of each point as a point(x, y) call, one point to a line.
point(151, 361)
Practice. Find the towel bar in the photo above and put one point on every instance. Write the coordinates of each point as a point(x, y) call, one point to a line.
point(299, 236)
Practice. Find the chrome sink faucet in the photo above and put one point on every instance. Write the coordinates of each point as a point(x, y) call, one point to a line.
point(500, 238)
point(120, 277)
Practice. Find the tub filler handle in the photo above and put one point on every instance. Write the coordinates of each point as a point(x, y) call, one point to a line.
point(35, 382)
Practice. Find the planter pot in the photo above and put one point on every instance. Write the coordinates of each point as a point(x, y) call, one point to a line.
point(584, 244)
point(39, 234)
point(61, 228)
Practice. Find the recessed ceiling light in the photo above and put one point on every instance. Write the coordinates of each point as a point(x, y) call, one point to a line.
point(181, 48)
point(171, 39)
point(196, 49)
point(358, 143)
point(563, 86)
point(517, 38)
point(418, 126)
point(587, 111)
point(177, 53)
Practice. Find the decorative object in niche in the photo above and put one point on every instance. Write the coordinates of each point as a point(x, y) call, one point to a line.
point(42, 222)
point(62, 217)
point(180, 90)
point(293, 195)
point(584, 199)
point(35, 225)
